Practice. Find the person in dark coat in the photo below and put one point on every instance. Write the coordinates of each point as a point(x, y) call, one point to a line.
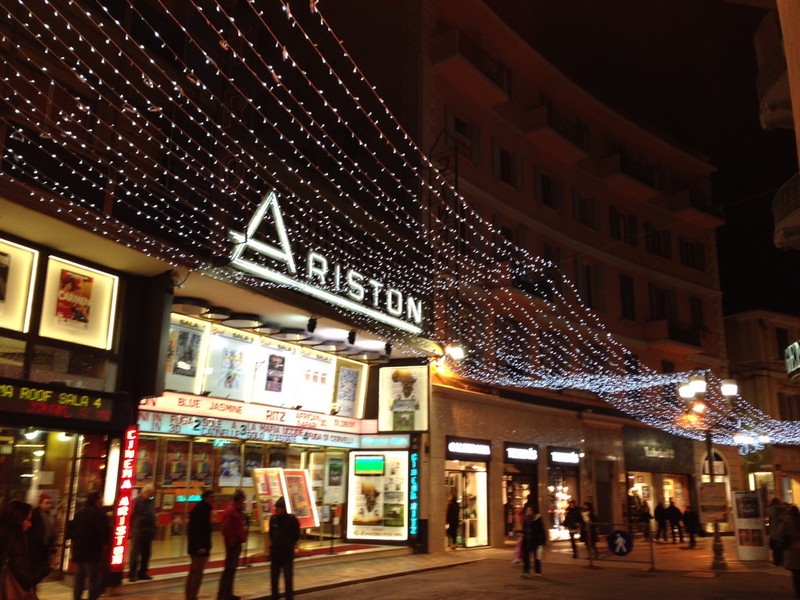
point(573, 521)
point(674, 516)
point(589, 529)
point(90, 533)
point(143, 530)
point(199, 542)
point(660, 515)
point(533, 541)
point(234, 534)
point(15, 522)
point(42, 536)
point(788, 532)
point(284, 533)
point(776, 512)
point(692, 524)
point(644, 518)
point(453, 521)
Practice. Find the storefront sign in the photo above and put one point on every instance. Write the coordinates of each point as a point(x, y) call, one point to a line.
point(64, 403)
point(520, 453)
point(468, 449)
point(792, 358)
point(385, 441)
point(335, 283)
point(153, 422)
point(413, 494)
point(122, 512)
point(564, 456)
point(202, 406)
point(653, 451)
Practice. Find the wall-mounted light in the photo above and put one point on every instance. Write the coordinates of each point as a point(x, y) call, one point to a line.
point(291, 334)
point(266, 328)
point(312, 325)
point(38, 453)
point(217, 313)
point(242, 320)
point(388, 349)
point(31, 433)
point(455, 351)
point(331, 346)
point(351, 337)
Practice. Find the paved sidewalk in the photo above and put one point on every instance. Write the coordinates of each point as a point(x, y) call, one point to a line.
point(313, 574)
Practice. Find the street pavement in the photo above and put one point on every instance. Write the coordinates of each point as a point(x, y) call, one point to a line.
point(488, 573)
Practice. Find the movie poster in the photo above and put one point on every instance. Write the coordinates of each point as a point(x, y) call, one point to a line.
point(253, 459)
point(146, 461)
point(300, 497)
point(184, 347)
point(347, 391)
point(333, 488)
point(378, 495)
point(74, 300)
point(276, 365)
point(403, 399)
point(230, 466)
point(176, 463)
point(5, 267)
point(202, 463)
point(269, 486)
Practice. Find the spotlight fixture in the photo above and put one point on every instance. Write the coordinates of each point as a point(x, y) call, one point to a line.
point(217, 313)
point(312, 325)
point(351, 337)
point(188, 305)
point(31, 433)
point(242, 320)
point(455, 351)
point(266, 328)
point(388, 349)
point(331, 346)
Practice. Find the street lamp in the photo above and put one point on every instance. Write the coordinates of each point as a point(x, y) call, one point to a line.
point(694, 393)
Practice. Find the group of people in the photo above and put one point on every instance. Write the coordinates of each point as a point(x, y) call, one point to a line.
point(28, 544)
point(784, 538)
point(670, 518)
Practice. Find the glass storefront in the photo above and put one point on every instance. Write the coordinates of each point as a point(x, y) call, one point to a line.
point(563, 479)
point(468, 481)
point(520, 484)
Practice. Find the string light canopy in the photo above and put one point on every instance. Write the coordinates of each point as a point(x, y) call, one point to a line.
point(163, 130)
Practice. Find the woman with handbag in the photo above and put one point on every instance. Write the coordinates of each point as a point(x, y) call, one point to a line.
point(18, 578)
point(533, 540)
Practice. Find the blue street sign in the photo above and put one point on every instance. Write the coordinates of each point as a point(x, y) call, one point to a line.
point(620, 542)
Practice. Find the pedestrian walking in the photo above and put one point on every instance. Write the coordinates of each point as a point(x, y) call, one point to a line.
point(691, 523)
point(776, 512)
point(644, 518)
point(284, 533)
point(674, 516)
point(42, 537)
point(90, 533)
point(19, 576)
point(234, 534)
point(572, 521)
point(453, 521)
point(533, 541)
point(788, 531)
point(660, 515)
point(199, 542)
point(589, 529)
point(143, 530)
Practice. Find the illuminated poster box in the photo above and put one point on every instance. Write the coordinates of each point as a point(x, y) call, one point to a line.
point(79, 304)
point(377, 502)
point(17, 266)
point(403, 398)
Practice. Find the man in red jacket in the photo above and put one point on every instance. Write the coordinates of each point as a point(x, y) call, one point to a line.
point(234, 534)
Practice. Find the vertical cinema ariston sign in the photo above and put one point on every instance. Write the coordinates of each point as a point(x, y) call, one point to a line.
point(122, 511)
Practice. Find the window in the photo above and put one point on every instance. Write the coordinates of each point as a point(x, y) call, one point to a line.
point(782, 341)
point(662, 304)
point(696, 313)
point(462, 134)
point(549, 191)
point(585, 210)
point(623, 227)
point(627, 294)
point(589, 281)
point(789, 407)
point(692, 254)
point(657, 241)
point(506, 165)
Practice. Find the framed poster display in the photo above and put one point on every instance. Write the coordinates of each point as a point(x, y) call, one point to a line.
point(17, 267)
point(230, 367)
point(230, 466)
point(378, 496)
point(351, 385)
point(268, 485)
point(176, 463)
point(751, 539)
point(272, 374)
point(253, 459)
point(300, 499)
point(146, 461)
point(79, 304)
point(202, 463)
point(315, 378)
point(334, 479)
point(403, 398)
point(186, 354)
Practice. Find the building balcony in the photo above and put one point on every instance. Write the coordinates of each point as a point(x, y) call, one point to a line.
point(786, 213)
point(622, 175)
point(672, 336)
point(695, 208)
point(465, 65)
point(552, 131)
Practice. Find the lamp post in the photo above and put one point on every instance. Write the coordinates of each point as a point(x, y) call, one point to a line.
point(694, 393)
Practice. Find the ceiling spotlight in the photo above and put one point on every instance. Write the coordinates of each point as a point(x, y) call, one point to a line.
point(242, 320)
point(217, 313)
point(312, 325)
point(31, 433)
point(351, 337)
point(266, 328)
point(291, 334)
point(388, 349)
point(189, 306)
point(331, 346)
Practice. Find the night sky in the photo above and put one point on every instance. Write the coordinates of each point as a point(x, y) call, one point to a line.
point(686, 70)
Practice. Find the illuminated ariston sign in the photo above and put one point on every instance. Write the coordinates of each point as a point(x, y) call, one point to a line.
point(122, 512)
point(353, 291)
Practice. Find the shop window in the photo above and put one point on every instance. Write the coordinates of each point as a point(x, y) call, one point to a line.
point(73, 368)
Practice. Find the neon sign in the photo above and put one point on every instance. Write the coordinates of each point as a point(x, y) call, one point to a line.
point(352, 290)
point(122, 512)
point(413, 494)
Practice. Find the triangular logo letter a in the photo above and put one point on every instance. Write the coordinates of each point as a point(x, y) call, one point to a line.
point(247, 241)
